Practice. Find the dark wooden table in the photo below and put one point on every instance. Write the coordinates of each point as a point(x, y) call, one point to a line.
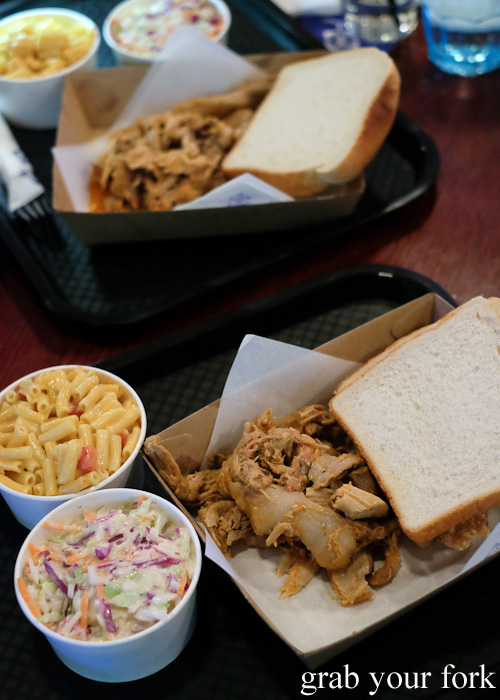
point(451, 234)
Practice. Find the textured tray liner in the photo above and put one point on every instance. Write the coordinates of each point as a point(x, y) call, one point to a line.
point(92, 102)
point(311, 623)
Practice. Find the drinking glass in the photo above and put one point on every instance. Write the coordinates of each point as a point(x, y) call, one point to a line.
point(463, 36)
point(382, 23)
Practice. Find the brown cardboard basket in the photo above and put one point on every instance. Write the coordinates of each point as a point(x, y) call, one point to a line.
point(188, 440)
point(91, 103)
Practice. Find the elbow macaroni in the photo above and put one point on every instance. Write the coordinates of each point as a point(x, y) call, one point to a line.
point(48, 421)
point(41, 45)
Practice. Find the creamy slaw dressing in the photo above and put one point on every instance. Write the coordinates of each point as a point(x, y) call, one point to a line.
point(112, 573)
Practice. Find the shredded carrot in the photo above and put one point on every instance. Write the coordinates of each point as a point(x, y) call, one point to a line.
point(141, 498)
point(90, 516)
point(100, 590)
point(49, 525)
point(54, 556)
point(82, 561)
point(184, 581)
point(23, 590)
point(85, 610)
point(35, 552)
point(182, 585)
point(73, 558)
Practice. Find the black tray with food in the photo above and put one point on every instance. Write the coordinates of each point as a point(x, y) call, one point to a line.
point(118, 285)
point(233, 653)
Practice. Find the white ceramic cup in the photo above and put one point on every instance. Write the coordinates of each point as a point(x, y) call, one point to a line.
point(133, 657)
point(28, 509)
point(124, 56)
point(35, 103)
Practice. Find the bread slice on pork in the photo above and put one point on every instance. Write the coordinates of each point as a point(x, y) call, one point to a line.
point(425, 414)
point(322, 122)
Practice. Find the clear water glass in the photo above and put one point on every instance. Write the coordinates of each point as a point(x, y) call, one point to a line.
point(382, 23)
point(463, 36)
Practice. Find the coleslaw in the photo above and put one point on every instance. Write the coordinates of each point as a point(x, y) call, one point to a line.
point(144, 26)
point(111, 573)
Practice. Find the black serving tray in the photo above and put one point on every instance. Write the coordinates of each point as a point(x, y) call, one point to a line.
point(233, 654)
point(120, 285)
point(306, 314)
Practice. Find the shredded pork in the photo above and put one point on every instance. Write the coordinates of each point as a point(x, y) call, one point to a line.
point(289, 484)
point(169, 159)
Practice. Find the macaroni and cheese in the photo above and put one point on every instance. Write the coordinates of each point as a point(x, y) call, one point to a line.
point(65, 430)
point(41, 45)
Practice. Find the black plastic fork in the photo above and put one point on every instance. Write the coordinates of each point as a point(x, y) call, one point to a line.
point(37, 219)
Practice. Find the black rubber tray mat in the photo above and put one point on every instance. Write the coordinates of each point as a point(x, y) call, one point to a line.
point(233, 655)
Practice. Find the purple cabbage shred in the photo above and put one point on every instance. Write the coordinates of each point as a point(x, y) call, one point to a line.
point(59, 583)
point(159, 561)
point(83, 539)
point(103, 550)
point(105, 611)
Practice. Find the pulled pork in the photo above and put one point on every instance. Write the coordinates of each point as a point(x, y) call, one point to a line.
point(165, 160)
point(297, 484)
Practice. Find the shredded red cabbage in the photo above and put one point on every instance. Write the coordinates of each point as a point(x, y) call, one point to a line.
point(106, 517)
point(83, 539)
point(60, 584)
point(103, 550)
point(105, 611)
point(159, 561)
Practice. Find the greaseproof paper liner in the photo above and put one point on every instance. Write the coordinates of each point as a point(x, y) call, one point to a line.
point(271, 374)
point(16, 171)
point(191, 65)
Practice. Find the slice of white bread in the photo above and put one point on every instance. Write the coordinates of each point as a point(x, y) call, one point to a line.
point(425, 414)
point(322, 122)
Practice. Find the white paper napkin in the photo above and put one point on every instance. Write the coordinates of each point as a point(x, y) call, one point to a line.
point(16, 171)
point(243, 190)
point(310, 7)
